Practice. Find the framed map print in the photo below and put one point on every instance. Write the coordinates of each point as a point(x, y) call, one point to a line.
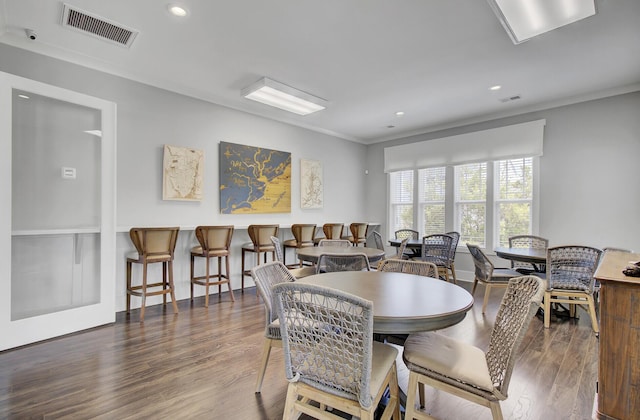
point(182, 170)
point(254, 180)
point(311, 186)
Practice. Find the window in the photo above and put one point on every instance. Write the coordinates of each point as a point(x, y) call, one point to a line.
point(432, 193)
point(514, 198)
point(487, 202)
point(471, 202)
point(402, 200)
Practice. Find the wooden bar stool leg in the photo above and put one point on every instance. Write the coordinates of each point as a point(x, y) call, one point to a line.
point(173, 295)
point(219, 276)
point(242, 280)
point(206, 282)
point(192, 274)
point(128, 286)
point(164, 283)
point(144, 291)
point(229, 278)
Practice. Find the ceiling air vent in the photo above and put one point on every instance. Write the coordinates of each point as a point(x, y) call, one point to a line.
point(97, 26)
point(510, 98)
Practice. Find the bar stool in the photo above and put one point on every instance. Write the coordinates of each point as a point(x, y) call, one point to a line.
point(153, 245)
point(359, 233)
point(215, 241)
point(331, 231)
point(260, 236)
point(303, 236)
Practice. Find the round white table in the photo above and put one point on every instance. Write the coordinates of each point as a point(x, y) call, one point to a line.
point(402, 303)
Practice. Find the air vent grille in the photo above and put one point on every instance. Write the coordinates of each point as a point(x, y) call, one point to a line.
point(511, 98)
point(97, 26)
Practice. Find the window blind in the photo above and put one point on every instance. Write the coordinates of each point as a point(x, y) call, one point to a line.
point(509, 142)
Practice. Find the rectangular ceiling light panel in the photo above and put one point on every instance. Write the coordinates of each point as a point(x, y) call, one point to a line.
point(524, 19)
point(97, 26)
point(285, 97)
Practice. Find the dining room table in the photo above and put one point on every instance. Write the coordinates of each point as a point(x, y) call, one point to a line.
point(537, 257)
point(402, 303)
point(312, 253)
point(413, 245)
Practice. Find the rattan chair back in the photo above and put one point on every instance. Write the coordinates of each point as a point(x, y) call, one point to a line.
point(527, 241)
point(377, 238)
point(327, 339)
point(420, 268)
point(407, 233)
point(266, 276)
point(437, 249)
point(572, 267)
point(483, 266)
point(335, 242)
point(329, 263)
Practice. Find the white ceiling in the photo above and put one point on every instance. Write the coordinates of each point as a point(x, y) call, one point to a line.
point(432, 59)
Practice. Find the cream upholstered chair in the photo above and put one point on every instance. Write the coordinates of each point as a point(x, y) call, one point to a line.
point(329, 263)
point(215, 241)
point(419, 268)
point(330, 357)
point(153, 245)
point(527, 241)
point(266, 276)
point(465, 370)
point(487, 274)
point(297, 272)
point(570, 280)
point(437, 249)
point(260, 236)
point(303, 236)
point(334, 242)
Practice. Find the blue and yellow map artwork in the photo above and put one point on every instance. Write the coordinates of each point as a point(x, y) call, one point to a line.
point(254, 180)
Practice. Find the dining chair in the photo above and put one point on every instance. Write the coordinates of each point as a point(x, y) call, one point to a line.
point(527, 241)
point(266, 276)
point(153, 245)
point(260, 236)
point(419, 268)
point(377, 238)
point(487, 274)
point(334, 242)
point(570, 280)
point(303, 236)
point(297, 272)
point(437, 249)
point(215, 242)
point(330, 357)
point(407, 233)
point(451, 267)
point(329, 263)
point(467, 371)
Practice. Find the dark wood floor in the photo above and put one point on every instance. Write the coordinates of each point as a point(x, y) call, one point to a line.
point(202, 363)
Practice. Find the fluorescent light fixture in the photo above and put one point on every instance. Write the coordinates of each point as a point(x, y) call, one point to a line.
point(285, 97)
point(524, 19)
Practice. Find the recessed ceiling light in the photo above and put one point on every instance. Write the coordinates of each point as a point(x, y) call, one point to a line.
point(23, 96)
point(399, 113)
point(177, 10)
point(391, 126)
point(496, 87)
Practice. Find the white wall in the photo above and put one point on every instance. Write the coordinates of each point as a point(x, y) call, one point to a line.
point(589, 173)
point(148, 118)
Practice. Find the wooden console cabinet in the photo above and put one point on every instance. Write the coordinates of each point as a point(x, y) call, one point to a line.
point(619, 362)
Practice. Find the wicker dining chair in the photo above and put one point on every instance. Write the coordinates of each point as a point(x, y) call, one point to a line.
point(380, 245)
point(330, 357)
point(329, 263)
point(407, 233)
point(467, 371)
point(570, 280)
point(335, 242)
point(419, 268)
point(437, 249)
point(451, 267)
point(266, 276)
point(487, 274)
point(297, 272)
point(527, 241)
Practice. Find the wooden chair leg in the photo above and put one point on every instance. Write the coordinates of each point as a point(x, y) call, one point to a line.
point(289, 405)
point(233, 299)
point(266, 351)
point(547, 309)
point(206, 281)
point(164, 282)
point(487, 292)
point(496, 411)
point(128, 286)
point(172, 290)
point(219, 276)
point(412, 389)
point(592, 313)
point(192, 274)
point(143, 304)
